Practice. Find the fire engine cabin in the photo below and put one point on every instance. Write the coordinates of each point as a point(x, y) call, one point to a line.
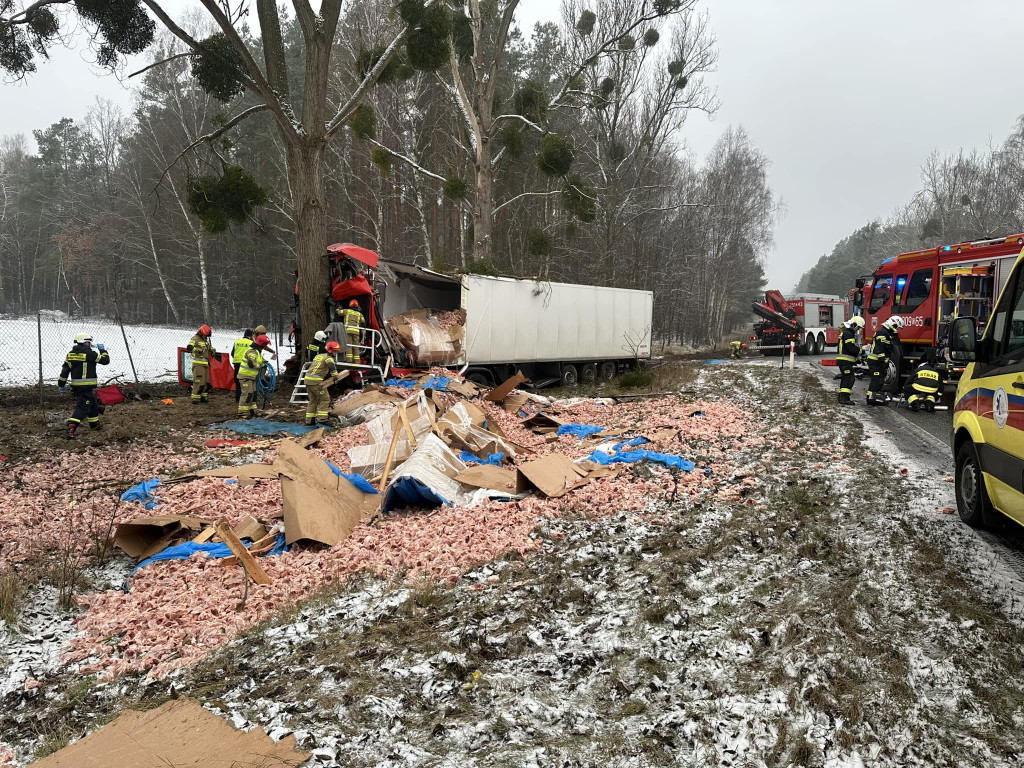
point(931, 288)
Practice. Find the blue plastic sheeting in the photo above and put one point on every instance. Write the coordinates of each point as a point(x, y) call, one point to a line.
point(631, 457)
point(358, 481)
point(492, 458)
point(410, 492)
point(579, 430)
point(437, 382)
point(717, 360)
point(263, 427)
point(143, 492)
point(188, 548)
point(408, 384)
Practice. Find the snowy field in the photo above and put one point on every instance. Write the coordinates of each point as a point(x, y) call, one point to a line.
point(153, 347)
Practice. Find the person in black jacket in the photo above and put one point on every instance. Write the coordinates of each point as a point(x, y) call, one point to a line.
point(80, 367)
point(925, 385)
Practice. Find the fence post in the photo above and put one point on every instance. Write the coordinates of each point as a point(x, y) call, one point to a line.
point(127, 346)
point(39, 331)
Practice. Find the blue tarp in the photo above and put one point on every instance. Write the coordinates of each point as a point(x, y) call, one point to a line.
point(579, 430)
point(410, 492)
point(263, 427)
point(718, 360)
point(492, 458)
point(407, 383)
point(188, 548)
point(631, 457)
point(358, 481)
point(437, 382)
point(143, 492)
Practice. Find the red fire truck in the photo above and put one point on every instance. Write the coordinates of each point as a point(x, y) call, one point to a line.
point(810, 320)
point(931, 288)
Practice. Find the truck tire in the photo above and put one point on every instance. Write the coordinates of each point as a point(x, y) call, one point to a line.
point(812, 347)
point(480, 378)
point(588, 373)
point(971, 496)
point(607, 371)
point(570, 377)
point(821, 344)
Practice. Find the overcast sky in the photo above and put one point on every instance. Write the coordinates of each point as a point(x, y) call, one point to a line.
point(846, 99)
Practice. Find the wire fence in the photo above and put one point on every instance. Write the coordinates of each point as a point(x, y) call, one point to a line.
point(33, 348)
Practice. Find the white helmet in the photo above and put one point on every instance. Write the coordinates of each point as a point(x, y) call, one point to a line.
point(83, 338)
point(896, 322)
point(320, 336)
point(856, 320)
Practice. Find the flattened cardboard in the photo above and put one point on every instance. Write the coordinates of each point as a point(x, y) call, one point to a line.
point(145, 536)
point(515, 400)
point(499, 392)
point(464, 388)
point(250, 528)
point(492, 478)
point(178, 733)
point(247, 474)
point(366, 397)
point(311, 438)
point(554, 475)
point(543, 422)
point(314, 513)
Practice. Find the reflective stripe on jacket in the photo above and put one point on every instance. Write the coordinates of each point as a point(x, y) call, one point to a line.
point(353, 320)
point(322, 365)
point(881, 344)
point(252, 362)
point(80, 365)
point(927, 380)
point(201, 349)
point(848, 350)
point(238, 350)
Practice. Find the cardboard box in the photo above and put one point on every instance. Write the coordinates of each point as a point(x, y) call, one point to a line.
point(554, 475)
point(145, 536)
point(493, 478)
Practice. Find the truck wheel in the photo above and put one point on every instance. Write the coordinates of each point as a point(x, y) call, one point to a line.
point(812, 346)
point(569, 376)
point(479, 378)
point(607, 371)
point(821, 344)
point(971, 497)
point(588, 373)
point(891, 380)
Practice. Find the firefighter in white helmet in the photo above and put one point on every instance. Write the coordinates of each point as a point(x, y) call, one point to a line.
point(846, 357)
point(885, 342)
point(80, 366)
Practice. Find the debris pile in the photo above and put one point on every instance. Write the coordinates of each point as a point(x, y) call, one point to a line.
point(430, 338)
point(429, 478)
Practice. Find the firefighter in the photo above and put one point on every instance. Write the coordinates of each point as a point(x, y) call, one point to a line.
point(354, 323)
point(252, 365)
point(924, 387)
point(319, 399)
point(202, 350)
point(735, 349)
point(847, 355)
point(316, 347)
point(886, 340)
point(262, 329)
point(238, 356)
point(80, 366)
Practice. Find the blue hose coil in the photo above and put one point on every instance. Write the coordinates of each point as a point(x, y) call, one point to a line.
point(265, 388)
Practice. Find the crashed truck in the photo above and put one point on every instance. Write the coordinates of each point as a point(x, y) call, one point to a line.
point(486, 327)
point(810, 321)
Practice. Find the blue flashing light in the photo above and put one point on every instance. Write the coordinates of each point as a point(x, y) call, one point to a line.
point(945, 248)
point(887, 261)
point(901, 282)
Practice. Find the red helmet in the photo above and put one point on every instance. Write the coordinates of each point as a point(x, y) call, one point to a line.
point(332, 346)
point(262, 340)
point(205, 330)
point(354, 304)
point(743, 346)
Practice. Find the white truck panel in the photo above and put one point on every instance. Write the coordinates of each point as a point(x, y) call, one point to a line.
point(522, 321)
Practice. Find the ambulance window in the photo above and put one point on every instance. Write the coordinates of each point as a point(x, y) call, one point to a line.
point(1007, 340)
point(880, 292)
point(919, 290)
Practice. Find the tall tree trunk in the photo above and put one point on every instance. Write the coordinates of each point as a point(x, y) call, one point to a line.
point(203, 279)
point(157, 267)
point(483, 204)
point(305, 173)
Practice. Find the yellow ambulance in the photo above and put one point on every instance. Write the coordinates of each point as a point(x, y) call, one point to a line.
point(988, 418)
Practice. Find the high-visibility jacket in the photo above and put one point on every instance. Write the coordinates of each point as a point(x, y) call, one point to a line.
point(882, 344)
point(238, 350)
point(315, 348)
point(927, 379)
point(252, 362)
point(353, 320)
point(322, 365)
point(80, 365)
point(849, 349)
point(201, 349)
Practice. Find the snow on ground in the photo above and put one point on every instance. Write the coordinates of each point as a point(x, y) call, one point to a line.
point(154, 348)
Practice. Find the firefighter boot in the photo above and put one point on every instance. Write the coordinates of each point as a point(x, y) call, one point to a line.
point(844, 399)
point(69, 434)
point(95, 425)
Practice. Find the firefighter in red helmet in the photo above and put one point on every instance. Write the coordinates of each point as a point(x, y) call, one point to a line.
point(316, 389)
point(202, 350)
point(252, 365)
point(354, 324)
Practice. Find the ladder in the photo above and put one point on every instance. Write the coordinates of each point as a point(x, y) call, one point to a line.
point(299, 394)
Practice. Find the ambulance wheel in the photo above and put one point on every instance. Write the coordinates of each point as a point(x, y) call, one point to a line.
point(607, 371)
point(971, 497)
point(588, 373)
point(570, 378)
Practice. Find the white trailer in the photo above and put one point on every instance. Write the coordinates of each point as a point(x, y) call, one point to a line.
point(551, 331)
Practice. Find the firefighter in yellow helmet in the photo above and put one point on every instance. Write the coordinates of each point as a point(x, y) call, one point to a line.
point(319, 399)
point(202, 350)
point(354, 324)
point(80, 366)
point(252, 365)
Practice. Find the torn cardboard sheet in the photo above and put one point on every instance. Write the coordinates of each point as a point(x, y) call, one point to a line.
point(514, 401)
point(246, 474)
point(311, 438)
point(554, 475)
point(492, 478)
point(179, 733)
point(499, 392)
point(356, 400)
point(250, 528)
point(145, 536)
point(463, 387)
point(543, 423)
